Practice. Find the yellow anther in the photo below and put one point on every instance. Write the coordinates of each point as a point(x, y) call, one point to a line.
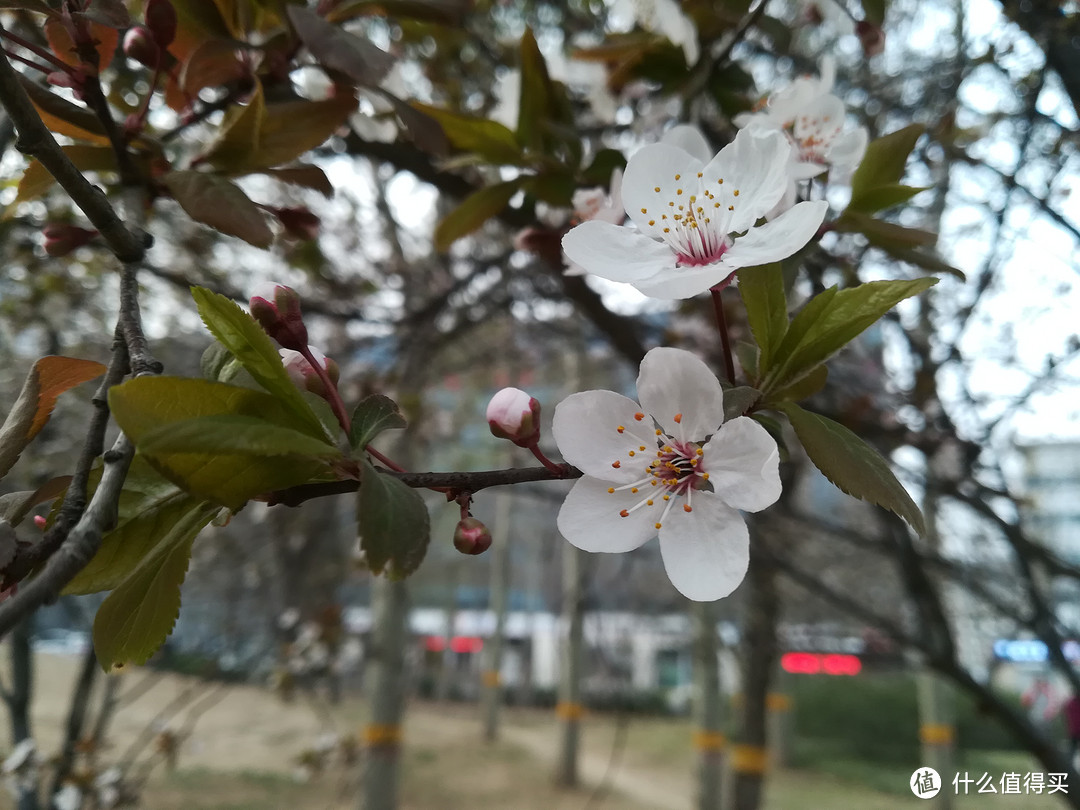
point(678, 176)
point(624, 513)
point(705, 476)
point(720, 182)
point(667, 497)
point(644, 211)
point(633, 489)
point(648, 502)
point(658, 525)
point(631, 453)
point(652, 221)
point(699, 174)
point(657, 189)
point(687, 508)
point(735, 192)
point(700, 452)
point(611, 490)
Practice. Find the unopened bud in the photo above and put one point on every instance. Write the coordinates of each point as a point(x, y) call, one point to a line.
point(160, 18)
point(277, 309)
point(139, 45)
point(871, 37)
point(40, 521)
point(304, 376)
point(471, 536)
point(512, 414)
point(60, 240)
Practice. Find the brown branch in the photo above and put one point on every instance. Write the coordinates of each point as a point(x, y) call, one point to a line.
point(453, 481)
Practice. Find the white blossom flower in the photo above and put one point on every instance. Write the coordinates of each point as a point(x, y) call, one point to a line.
point(669, 466)
point(664, 17)
point(697, 222)
point(595, 203)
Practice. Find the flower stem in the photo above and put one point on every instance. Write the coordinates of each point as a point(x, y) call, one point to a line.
point(721, 326)
point(57, 63)
point(557, 469)
point(332, 395)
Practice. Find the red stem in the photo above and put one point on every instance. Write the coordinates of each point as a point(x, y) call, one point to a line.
point(29, 62)
point(721, 325)
point(332, 395)
point(37, 51)
point(558, 469)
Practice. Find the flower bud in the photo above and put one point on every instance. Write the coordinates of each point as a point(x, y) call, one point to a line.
point(139, 45)
point(512, 414)
point(277, 309)
point(471, 536)
point(60, 239)
point(871, 37)
point(160, 18)
point(304, 376)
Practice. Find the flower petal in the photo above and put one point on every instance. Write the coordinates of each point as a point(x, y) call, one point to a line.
point(656, 167)
point(848, 149)
point(586, 426)
point(778, 239)
point(743, 464)
point(748, 177)
point(706, 552)
point(691, 140)
point(616, 253)
point(684, 282)
point(589, 518)
point(673, 381)
point(820, 121)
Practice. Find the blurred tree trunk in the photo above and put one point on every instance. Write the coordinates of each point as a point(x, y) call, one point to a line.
point(19, 697)
point(708, 707)
point(80, 705)
point(750, 754)
point(569, 708)
point(500, 586)
point(386, 690)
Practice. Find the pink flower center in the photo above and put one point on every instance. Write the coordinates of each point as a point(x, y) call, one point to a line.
point(672, 469)
point(691, 220)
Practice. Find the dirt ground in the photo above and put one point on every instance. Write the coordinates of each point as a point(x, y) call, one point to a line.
point(243, 744)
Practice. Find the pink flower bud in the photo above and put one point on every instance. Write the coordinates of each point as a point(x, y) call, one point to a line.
point(871, 37)
point(471, 536)
point(512, 414)
point(160, 18)
point(139, 45)
point(40, 521)
point(304, 376)
point(277, 309)
point(60, 240)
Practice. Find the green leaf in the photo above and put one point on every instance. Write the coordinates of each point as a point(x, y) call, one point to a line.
point(474, 211)
point(874, 11)
point(833, 319)
point(248, 343)
point(150, 510)
point(886, 235)
point(15, 506)
point(239, 435)
point(145, 404)
point(240, 131)
point(884, 161)
point(305, 175)
point(219, 203)
point(48, 379)
point(747, 355)
point(372, 416)
point(534, 107)
point(36, 180)
point(739, 400)
point(339, 50)
point(137, 617)
point(605, 162)
point(554, 188)
point(63, 117)
point(805, 387)
point(851, 464)
point(218, 364)
point(393, 524)
point(882, 197)
point(488, 138)
point(762, 291)
point(447, 12)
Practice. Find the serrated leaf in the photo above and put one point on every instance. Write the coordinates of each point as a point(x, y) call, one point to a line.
point(738, 400)
point(219, 203)
point(488, 138)
point(15, 506)
point(235, 434)
point(339, 50)
point(218, 364)
point(371, 417)
point(145, 404)
point(833, 319)
point(884, 161)
point(48, 379)
point(305, 175)
point(241, 334)
point(474, 211)
point(762, 291)
point(883, 197)
point(393, 524)
point(851, 464)
point(150, 510)
point(137, 617)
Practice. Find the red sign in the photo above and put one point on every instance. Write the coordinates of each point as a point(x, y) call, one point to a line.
point(458, 644)
point(802, 663)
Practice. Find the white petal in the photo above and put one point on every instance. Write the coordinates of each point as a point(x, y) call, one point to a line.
point(820, 120)
point(585, 428)
point(754, 170)
point(590, 518)
point(804, 170)
point(743, 464)
point(706, 552)
point(655, 167)
point(673, 381)
point(616, 253)
point(827, 73)
point(848, 149)
point(691, 140)
point(776, 240)
point(684, 282)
